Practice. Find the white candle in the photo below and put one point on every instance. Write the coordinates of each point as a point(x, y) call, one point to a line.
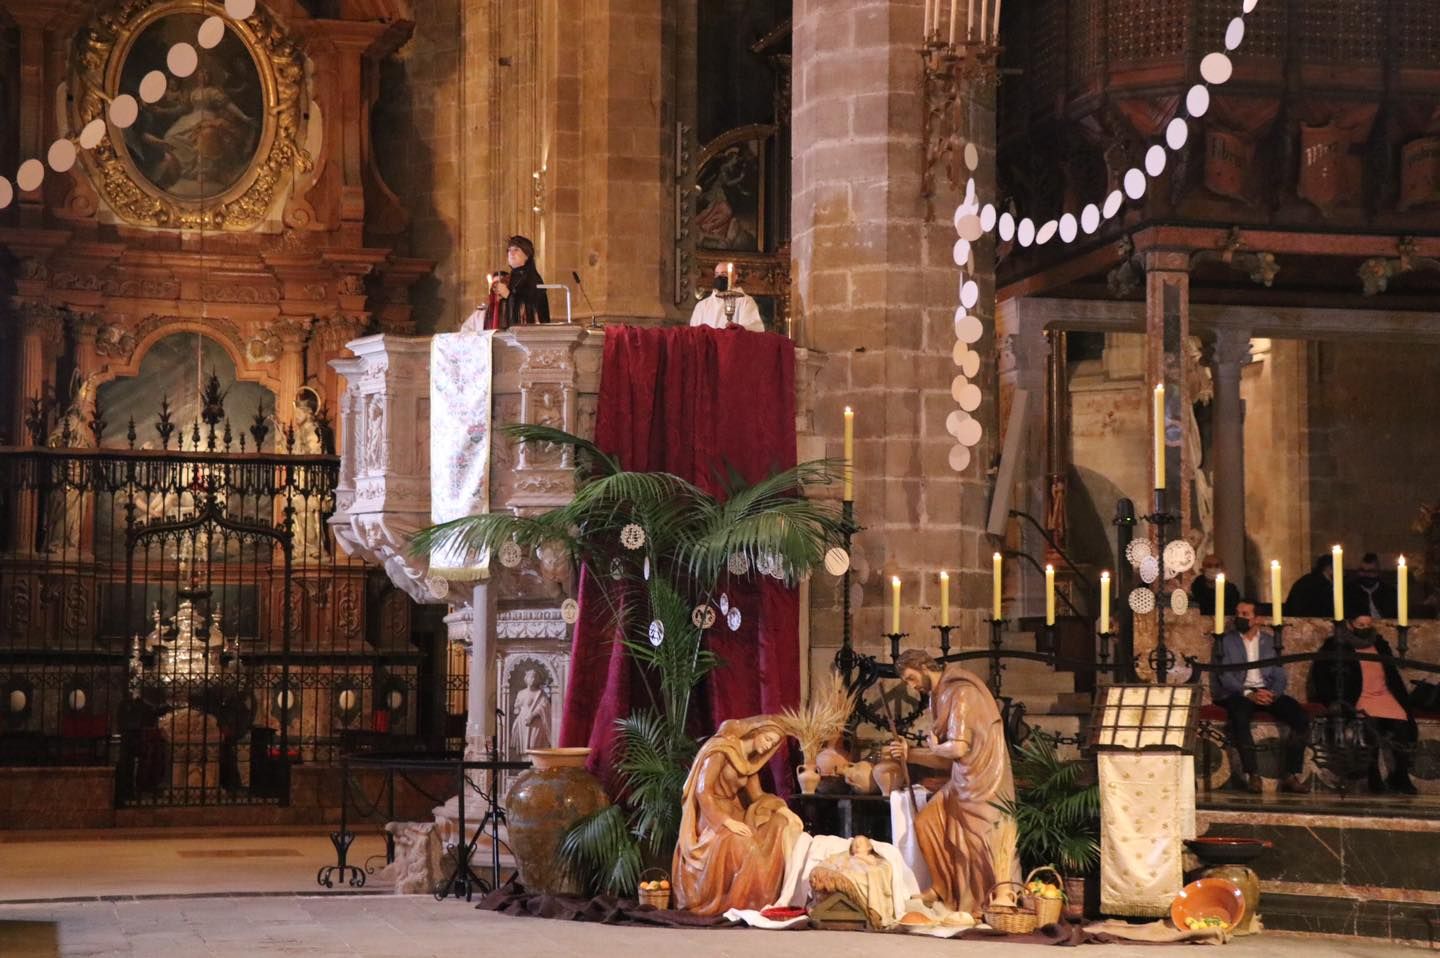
point(1337, 580)
point(995, 33)
point(984, 16)
point(894, 605)
point(1220, 603)
point(1402, 593)
point(1049, 595)
point(849, 478)
point(944, 597)
point(953, 20)
point(1277, 598)
point(1104, 602)
point(1159, 436)
point(997, 588)
point(925, 23)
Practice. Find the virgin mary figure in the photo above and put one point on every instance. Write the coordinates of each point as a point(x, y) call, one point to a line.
point(734, 838)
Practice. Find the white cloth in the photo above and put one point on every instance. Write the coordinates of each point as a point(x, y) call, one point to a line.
point(902, 832)
point(810, 850)
point(1147, 810)
point(710, 311)
point(1254, 679)
point(460, 372)
point(756, 920)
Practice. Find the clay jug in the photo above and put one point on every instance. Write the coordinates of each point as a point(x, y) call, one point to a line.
point(542, 805)
point(809, 778)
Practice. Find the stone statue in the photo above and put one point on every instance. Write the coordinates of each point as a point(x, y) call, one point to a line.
point(530, 719)
point(967, 843)
point(734, 838)
point(309, 441)
point(862, 876)
point(65, 506)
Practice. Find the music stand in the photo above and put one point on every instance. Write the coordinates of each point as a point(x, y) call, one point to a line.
point(462, 879)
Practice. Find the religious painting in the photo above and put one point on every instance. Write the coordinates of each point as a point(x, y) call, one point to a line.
point(197, 140)
point(730, 193)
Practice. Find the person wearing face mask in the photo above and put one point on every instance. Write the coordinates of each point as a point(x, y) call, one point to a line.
point(1241, 692)
point(1372, 688)
point(1202, 590)
point(710, 311)
point(1371, 592)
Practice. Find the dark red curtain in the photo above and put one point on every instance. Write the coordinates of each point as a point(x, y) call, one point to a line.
point(699, 403)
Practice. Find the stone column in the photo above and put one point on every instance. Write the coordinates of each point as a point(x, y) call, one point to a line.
point(480, 705)
point(1167, 329)
point(42, 334)
point(292, 335)
point(874, 286)
point(1229, 352)
point(1057, 438)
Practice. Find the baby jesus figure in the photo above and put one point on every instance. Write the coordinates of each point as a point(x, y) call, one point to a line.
point(861, 875)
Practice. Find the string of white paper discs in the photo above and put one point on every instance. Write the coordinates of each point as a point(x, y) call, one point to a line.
point(182, 60)
point(973, 221)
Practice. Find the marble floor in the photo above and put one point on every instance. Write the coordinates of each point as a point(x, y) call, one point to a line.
point(419, 927)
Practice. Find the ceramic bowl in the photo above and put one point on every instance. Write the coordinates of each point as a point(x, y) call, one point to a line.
point(1208, 898)
point(1228, 851)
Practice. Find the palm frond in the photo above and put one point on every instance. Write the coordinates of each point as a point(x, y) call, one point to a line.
point(589, 457)
point(475, 537)
point(1056, 811)
point(600, 852)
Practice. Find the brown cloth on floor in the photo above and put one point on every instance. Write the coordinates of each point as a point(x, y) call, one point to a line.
point(605, 909)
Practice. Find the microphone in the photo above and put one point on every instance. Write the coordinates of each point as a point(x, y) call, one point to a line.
point(581, 286)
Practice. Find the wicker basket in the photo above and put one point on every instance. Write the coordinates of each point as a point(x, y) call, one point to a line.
point(1047, 910)
point(658, 898)
point(1010, 919)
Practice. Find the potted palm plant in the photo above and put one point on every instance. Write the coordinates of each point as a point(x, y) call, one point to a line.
point(670, 548)
point(1057, 814)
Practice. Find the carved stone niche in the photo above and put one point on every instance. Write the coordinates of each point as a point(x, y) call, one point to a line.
point(532, 665)
point(383, 495)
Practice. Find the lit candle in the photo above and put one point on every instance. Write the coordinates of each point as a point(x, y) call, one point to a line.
point(1337, 580)
point(730, 275)
point(1049, 595)
point(944, 597)
point(1277, 603)
point(1220, 603)
point(1160, 436)
point(1402, 592)
point(894, 605)
point(997, 611)
point(849, 477)
point(1104, 602)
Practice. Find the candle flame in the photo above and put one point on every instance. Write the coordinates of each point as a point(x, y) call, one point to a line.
point(894, 580)
point(1274, 563)
point(1402, 562)
point(1049, 567)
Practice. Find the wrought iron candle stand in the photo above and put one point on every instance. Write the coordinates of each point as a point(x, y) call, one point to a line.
point(997, 638)
point(944, 631)
point(895, 638)
point(845, 658)
point(1402, 642)
point(1162, 660)
point(1104, 654)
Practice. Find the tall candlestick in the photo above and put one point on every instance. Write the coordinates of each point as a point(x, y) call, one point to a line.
point(925, 23)
point(1337, 580)
point(1049, 595)
point(997, 611)
point(944, 597)
point(1402, 593)
point(849, 477)
point(1277, 601)
point(1160, 436)
point(954, 18)
point(984, 17)
point(1104, 602)
point(1220, 603)
point(730, 275)
point(995, 33)
point(894, 605)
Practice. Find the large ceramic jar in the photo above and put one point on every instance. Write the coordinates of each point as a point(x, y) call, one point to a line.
point(542, 805)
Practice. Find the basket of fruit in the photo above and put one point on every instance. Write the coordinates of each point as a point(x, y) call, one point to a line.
point(1044, 898)
point(1018, 919)
point(655, 891)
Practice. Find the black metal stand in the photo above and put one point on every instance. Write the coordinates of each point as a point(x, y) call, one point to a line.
point(944, 631)
point(845, 658)
point(1162, 660)
point(1104, 654)
point(342, 840)
point(997, 637)
point(463, 880)
point(895, 638)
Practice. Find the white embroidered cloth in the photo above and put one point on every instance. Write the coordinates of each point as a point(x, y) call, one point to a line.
point(1147, 810)
point(460, 371)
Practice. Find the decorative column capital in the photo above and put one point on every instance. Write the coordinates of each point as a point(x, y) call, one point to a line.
point(44, 321)
point(1228, 350)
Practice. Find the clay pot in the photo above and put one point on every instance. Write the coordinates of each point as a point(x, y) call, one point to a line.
point(542, 805)
point(1074, 899)
point(809, 778)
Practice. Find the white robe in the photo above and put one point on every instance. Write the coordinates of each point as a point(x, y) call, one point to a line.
point(710, 311)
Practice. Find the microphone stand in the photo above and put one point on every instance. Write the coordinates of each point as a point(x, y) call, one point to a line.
point(575, 275)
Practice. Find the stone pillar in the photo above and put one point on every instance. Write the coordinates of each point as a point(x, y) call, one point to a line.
point(1167, 329)
point(292, 335)
point(1229, 352)
point(42, 334)
point(480, 705)
point(874, 286)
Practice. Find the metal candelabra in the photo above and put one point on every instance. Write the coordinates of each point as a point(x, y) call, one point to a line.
point(1161, 659)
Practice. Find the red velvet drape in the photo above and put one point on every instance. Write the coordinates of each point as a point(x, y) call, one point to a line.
point(696, 402)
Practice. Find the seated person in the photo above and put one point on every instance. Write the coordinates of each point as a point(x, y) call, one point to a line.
point(1371, 592)
point(1373, 688)
point(1313, 594)
point(1240, 693)
point(1202, 590)
point(710, 311)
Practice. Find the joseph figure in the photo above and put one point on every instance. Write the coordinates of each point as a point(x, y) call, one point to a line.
point(967, 842)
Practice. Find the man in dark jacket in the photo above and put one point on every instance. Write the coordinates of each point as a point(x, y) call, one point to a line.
point(1202, 590)
point(1243, 691)
point(1313, 594)
point(1371, 687)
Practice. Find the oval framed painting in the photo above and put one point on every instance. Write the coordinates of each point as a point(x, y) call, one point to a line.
point(214, 148)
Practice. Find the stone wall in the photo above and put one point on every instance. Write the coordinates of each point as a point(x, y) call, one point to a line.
point(874, 287)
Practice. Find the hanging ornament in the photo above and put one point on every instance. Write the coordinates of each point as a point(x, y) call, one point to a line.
point(1137, 550)
point(1179, 602)
point(837, 561)
point(738, 564)
point(1142, 601)
point(645, 569)
point(724, 603)
point(510, 555)
point(1179, 557)
point(632, 536)
point(570, 611)
point(1149, 569)
point(617, 569)
point(657, 632)
point(702, 617)
point(765, 565)
point(959, 458)
point(969, 433)
point(732, 619)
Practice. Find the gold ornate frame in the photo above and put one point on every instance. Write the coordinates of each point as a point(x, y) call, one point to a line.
point(95, 74)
